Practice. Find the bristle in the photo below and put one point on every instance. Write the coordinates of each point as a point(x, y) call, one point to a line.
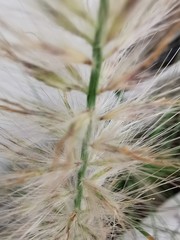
point(89, 117)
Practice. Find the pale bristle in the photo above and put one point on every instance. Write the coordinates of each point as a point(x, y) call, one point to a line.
point(89, 116)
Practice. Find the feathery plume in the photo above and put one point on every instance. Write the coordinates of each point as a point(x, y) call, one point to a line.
point(89, 116)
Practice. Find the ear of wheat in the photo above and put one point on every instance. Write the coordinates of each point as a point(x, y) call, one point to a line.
point(88, 114)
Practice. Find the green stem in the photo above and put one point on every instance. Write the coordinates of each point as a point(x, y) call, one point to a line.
point(82, 170)
point(97, 55)
point(91, 96)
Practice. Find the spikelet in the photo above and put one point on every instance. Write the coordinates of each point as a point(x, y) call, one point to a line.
point(89, 111)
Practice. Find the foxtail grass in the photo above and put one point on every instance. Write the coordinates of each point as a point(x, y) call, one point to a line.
point(89, 109)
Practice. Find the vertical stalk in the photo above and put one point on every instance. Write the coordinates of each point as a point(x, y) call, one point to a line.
point(91, 96)
point(97, 54)
point(82, 170)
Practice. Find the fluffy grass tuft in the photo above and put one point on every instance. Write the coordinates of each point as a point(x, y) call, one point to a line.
point(89, 117)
